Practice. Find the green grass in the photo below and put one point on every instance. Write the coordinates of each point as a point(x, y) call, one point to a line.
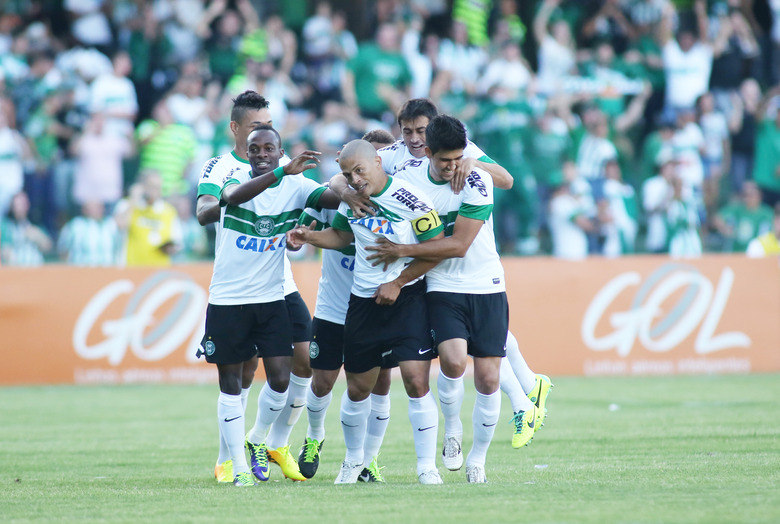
point(679, 449)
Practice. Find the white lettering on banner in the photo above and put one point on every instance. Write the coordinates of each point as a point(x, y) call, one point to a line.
point(183, 321)
point(657, 330)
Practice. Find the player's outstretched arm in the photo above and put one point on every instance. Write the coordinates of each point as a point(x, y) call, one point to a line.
point(329, 238)
point(387, 293)
point(234, 193)
point(360, 205)
point(453, 246)
point(502, 178)
point(207, 209)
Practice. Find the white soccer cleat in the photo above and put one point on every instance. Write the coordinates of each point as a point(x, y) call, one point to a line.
point(476, 474)
point(349, 473)
point(452, 453)
point(430, 477)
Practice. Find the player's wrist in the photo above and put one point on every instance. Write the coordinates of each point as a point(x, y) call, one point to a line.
point(279, 172)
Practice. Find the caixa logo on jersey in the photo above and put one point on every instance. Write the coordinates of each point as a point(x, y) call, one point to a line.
point(698, 309)
point(159, 316)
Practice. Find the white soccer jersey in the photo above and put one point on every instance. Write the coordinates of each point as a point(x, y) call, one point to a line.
point(337, 271)
point(405, 216)
point(213, 176)
point(249, 259)
point(480, 270)
point(396, 156)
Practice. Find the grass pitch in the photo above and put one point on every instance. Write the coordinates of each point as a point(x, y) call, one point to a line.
point(679, 449)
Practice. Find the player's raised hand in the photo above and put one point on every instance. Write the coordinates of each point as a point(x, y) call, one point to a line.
point(306, 160)
point(385, 252)
point(387, 293)
point(467, 165)
point(298, 236)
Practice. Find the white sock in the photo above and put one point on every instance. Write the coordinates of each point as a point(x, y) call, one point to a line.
point(231, 426)
point(451, 393)
point(296, 401)
point(224, 452)
point(317, 407)
point(354, 418)
point(378, 420)
point(269, 404)
point(245, 397)
point(486, 411)
point(511, 386)
point(425, 427)
point(524, 374)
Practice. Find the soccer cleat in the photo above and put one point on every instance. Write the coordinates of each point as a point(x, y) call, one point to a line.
point(538, 396)
point(309, 459)
point(224, 472)
point(258, 458)
point(475, 474)
point(373, 473)
point(430, 477)
point(525, 423)
point(285, 460)
point(349, 473)
point(452, 453)
point(244, 480)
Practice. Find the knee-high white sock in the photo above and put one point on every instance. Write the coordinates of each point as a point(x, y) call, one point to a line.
point(354, 418)
point(524, 374)
point(451, 392)
point(269, 404)
point(231, 426)
point(425, 426)
point(317, 407)
point(511, 386)
point(378, 420)
point(296, 401)
point(486, 411)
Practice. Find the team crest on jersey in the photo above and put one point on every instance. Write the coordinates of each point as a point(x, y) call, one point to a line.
point(264, 226)
point(209, 348)
point(314, 349)
point(474, 180)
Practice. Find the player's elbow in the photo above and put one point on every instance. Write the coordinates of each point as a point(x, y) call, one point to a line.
point(505, 182)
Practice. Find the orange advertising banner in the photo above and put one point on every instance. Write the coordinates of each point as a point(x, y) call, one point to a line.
point(634, 315)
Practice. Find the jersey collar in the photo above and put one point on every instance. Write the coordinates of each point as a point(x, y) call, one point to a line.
point(389, 181)
point(233, 152)
point(437, 182)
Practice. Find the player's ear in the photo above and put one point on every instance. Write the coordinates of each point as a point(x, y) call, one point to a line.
point(233, 127)
point(428, 152)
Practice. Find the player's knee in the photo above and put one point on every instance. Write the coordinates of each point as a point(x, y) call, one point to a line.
point(416, 387)
point(453, 367)
point(357, 392)
point(279, 381)
point(229, 382)
point(321, 385)
point(486, 383)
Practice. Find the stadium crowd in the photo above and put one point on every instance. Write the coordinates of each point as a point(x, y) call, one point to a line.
point(628, 125)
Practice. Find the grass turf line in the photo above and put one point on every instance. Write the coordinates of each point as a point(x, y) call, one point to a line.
point(677, 449)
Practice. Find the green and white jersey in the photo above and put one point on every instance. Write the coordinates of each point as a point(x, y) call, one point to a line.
point(337, 272)
point(219, 170)
point(396, 156)
point(250, 244)
point(405, 216)
point(480, 270)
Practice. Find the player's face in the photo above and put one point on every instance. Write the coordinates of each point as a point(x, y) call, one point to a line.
point(413, 133)
point(251, 119)
point(263, 151)
point(364, 175)
point(444, 163)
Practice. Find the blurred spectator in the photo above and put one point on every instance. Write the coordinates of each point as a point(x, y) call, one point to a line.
point(21, 242)
point(747, 108)
point(421, 52)
point(743, 220)
point(688, 145)
point(609, 23)
point(767, 156)
point(194, 241)
point(91, 239)
point(114, 95)
point(556, 47)
point(223, 41)
point(682, 220)
point(508, 71)
point(150, 52)
point(281, 44)
point(717, 147)
point(150, 223)
point(90, 25)
point(767, 244)
point(13, 151)
point(735, 48)
point(570, 222)
point(473, 14)
point(595, 148)
point(167, 148)
point(99, 153)
point(657, 193)
point(383, 73)
point(460, 64)
point(618, 214)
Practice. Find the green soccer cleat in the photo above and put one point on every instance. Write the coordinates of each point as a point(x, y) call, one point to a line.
point(309, 459)
point(244, 480)
point(373, 473)
point(224, 472)
point(524, 422)
point(538, 396)
point(284, 459)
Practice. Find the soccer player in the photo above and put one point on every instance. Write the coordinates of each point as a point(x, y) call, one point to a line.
point(249, 110)
point(467, 304)
point(247, 315)
point(327, 349)
point(386, 314)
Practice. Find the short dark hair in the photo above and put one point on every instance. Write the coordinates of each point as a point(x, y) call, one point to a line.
point(248, 100)
point(266, 127)
point(380, 136)
point(417, 107)
point(445, 133)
